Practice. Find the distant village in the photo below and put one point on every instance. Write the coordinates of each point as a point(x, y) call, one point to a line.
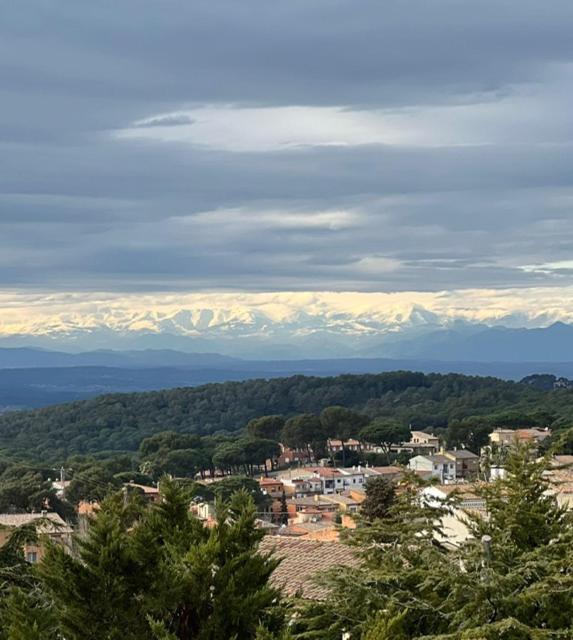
point(309, 505)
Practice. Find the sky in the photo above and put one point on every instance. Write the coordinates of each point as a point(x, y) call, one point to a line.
point(165, 148)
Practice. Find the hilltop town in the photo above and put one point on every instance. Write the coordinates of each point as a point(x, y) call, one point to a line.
point(308, 499)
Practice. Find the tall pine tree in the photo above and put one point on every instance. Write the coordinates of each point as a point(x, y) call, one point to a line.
point(156, 573)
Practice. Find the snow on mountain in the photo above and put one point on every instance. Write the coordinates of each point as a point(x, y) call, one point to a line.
point(266, 325)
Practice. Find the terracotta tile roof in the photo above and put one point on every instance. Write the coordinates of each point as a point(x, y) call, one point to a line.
point(269, 481)
point(385, 471)
point(328, 472)
point(49, 522)
point(312, 527)
point(302, 561)
point(561, 480)
point(562, 460)
point(315, 501)
point(87, 508)
point(145, 488)
point(341, 499)
point(532, 434)
point(347, 443)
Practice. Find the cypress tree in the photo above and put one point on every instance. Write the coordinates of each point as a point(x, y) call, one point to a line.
point(283, 517)
point(157, 573)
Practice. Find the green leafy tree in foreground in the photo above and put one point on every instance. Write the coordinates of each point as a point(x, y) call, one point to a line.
point(23, 615)
point(512, 580)
point(155, 573)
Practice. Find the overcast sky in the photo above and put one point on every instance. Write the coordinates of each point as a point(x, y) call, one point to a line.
point(308, 145)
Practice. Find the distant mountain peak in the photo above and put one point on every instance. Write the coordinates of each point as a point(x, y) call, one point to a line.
point(311, 325)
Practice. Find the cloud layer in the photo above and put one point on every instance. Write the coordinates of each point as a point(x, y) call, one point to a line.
point(416, 146)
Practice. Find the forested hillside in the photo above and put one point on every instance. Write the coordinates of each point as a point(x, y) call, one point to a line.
point(114, 423)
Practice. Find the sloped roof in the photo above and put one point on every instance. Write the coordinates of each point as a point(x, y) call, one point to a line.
point(341, 499)
point(439, 458)
point(462, 453)
point(269, 481)
point(302, 561)
point(147, 490)
point(562, 460)
point(49, 522)
point(385, 471)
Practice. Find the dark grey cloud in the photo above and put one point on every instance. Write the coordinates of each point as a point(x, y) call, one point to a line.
point(477, 193)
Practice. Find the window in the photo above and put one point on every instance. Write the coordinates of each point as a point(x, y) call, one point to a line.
point(32, 557)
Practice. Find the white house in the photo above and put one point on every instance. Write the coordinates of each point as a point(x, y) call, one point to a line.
point(454, 524)
point(437, 464)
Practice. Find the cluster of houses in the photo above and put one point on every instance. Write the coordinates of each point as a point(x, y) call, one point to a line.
point(313, 502)
point(309, 505)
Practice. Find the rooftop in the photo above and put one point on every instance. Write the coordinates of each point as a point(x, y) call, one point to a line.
point(147, 490)
point(532, 434)
point(302, 560)
point(315, 501)
point(467, 491)
point(269, 481)
point(462, 453)
point(328, 472)
point(341, 499)
point(562, 461)
point(385, 471)
point(439, 458)
point(49, 522)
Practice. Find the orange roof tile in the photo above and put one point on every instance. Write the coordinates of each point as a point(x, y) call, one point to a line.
point(303, 560)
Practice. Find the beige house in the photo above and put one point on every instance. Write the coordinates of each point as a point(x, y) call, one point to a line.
point(346, 503)
point(420, 443)
point(467, 463)
point(421, 437)
point(508, 437)
point(48, 525)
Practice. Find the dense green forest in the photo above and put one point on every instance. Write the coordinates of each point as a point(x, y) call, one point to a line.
point(456, 404)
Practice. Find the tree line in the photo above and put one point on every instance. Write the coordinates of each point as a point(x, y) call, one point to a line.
point(113, 424)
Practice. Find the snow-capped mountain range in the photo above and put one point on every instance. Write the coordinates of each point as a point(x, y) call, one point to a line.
point(281, 325)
